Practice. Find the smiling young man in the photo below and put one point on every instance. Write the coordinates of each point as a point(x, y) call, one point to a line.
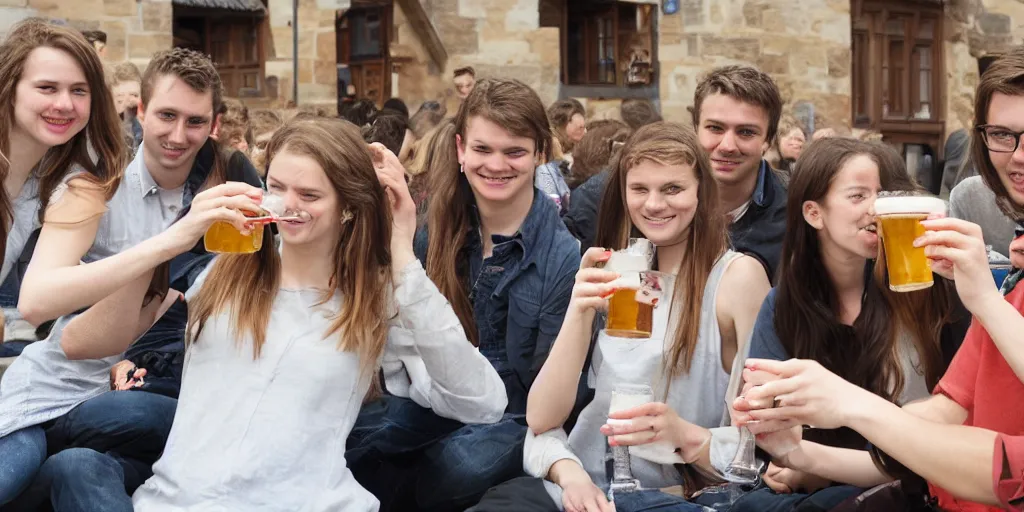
point(736, 114)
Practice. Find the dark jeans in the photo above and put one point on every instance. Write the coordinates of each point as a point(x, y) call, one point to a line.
point(766, 500)
point(413, 459)
point(654, 501)
point(126, 429)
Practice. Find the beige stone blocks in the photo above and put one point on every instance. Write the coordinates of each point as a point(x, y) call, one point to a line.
point(143, 46)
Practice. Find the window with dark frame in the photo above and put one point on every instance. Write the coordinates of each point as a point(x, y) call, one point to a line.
point(234, 44)
point(599, 39)
point(895, 47)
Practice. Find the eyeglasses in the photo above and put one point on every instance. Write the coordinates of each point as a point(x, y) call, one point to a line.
point(999, 139)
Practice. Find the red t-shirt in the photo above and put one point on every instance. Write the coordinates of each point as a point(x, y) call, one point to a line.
point(1008, 471)
point(981, 381)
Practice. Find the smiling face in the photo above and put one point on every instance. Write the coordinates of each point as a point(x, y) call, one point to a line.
point(792, 144)
point(304, 186)
point(1006, 112)
point(845, 218)
point(735, 135)
point(662, 200)
point(175, 124)
point(52, 100)
point(498, 165)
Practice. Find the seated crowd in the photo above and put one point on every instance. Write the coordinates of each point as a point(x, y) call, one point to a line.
point(414, 310)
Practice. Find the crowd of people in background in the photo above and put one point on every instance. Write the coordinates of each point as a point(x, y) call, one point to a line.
point(426, 328)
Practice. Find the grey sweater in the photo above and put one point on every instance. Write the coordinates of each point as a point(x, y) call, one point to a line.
point(973, 201)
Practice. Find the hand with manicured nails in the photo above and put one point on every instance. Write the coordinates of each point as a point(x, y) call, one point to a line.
point(956, 251)
point(226, 203)
point(593, 285)
point(654, 422)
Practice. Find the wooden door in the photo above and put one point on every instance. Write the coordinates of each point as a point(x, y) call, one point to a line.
point(363, 34)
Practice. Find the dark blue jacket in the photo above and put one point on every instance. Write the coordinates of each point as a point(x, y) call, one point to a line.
point(530, 296)
point(759, 231)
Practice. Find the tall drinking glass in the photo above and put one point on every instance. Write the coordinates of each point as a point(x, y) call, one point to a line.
point(899, 224)
point(625, 396)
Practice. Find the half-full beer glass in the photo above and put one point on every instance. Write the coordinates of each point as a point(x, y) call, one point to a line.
point(631, 307)
point(899, 224)
point(223, 237)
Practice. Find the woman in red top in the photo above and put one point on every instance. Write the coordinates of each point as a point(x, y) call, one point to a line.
point(980, 463)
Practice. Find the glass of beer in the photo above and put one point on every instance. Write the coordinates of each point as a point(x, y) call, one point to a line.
point(899, 224)
point(638, 290)
point(223, 237)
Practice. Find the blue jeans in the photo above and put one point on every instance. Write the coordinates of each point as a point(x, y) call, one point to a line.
point(413, 459)
point(654, 501)
point(77, 480)
point(129, 428)
point(766, 500)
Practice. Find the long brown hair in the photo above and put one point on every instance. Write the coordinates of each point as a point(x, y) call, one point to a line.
point(1005, 75)
point(671, 144)
point(807, 304)
point(247, 284)
point(515, 107)
point(103, 131)
point(560, 113)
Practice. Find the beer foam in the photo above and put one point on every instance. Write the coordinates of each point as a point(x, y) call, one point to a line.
point(625, 262)
point(909, 205)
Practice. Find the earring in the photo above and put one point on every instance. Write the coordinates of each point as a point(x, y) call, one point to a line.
point(346, 216)
point(462, 169)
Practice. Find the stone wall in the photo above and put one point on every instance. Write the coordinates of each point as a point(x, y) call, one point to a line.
point(135, 29)
point(803, 44)
point(318, 72)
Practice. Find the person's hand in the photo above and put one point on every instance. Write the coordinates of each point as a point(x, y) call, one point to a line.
point(584, 496)
point(403, 209)
point(653, 422)
point(225, 203)
point(119, 376)
point(593, 285)
point(956, 251)
point(806, 394)
point(786, 481)
point(777, 437)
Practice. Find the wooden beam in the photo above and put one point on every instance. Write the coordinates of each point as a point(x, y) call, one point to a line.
point(424, 28)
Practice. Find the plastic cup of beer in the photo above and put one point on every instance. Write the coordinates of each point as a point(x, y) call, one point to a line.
point(899, 217)
point(639, 289)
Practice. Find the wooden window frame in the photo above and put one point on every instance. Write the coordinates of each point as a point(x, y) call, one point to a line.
point(591, 42)
point(214, 16)
point(902, 125)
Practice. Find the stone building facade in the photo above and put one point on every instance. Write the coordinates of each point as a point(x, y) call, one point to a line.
point(809, 46)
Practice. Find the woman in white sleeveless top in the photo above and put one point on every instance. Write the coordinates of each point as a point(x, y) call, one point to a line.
point(283, 345)
point(661, 189)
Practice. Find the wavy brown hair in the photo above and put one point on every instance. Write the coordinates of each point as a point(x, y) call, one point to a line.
point(594, 152)
point(1005, 75)
point(560, 113)
point(515, 107)
point(671, 144)
point(246, 284)
point(807, 303)
point(103, 131)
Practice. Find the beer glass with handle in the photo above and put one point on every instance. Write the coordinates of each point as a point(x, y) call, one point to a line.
point(627, 317)
point(899, 215)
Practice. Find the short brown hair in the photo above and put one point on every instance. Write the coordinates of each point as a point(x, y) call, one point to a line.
point(265, 121)
point(125, 72)
point(192, 67)
point(594, 152)
point(387, 128)
point(468, 70)
point(235, 122)
point(1005, 75)
point(744, 83)
point(637, 112)
point(95, 36)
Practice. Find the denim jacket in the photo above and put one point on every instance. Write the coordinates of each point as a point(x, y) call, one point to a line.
point(533, 273)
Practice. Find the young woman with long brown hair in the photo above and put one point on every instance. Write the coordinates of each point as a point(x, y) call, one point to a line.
point(292, 338)
point(966, 438)
point(662, 189)
point(833, 305)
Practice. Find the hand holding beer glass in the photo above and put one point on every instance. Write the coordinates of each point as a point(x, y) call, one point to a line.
point(637, 291)
point(899, 223)
point(223, 237)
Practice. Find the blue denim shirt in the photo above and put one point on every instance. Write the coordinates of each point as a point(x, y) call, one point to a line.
point(520, 293)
